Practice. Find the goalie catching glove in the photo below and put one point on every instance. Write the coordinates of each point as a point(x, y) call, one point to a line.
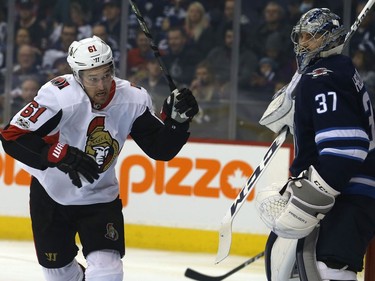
point(294, 210)
point(180, 106)
point(71, 161)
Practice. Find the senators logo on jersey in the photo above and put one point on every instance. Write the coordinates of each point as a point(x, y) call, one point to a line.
point(100, 144)
point(59, 82)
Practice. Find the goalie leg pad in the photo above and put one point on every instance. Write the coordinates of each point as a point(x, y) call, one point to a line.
point(306, 258)
point(104, 265)
point(280, 257)
point(70, 272)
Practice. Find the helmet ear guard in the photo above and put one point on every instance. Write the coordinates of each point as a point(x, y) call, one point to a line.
point(88, 53)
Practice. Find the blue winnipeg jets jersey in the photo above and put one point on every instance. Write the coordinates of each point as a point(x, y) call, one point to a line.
point(334, 126)
point(62, 112)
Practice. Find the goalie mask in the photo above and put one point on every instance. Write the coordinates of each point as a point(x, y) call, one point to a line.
point(89, 53)
point(318, 33)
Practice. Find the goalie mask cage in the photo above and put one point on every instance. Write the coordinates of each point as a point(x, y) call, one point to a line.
point(370, 262)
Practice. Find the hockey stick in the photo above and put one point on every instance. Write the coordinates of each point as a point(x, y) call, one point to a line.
point(359, 20)
point(191, 273)
point(225, 232)
point(155, 49)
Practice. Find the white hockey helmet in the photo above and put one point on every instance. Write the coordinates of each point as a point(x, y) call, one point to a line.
point(319, 23)
point(88, 53)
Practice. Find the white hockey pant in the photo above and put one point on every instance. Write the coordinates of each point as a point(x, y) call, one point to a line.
point(70, 272)
point(104, 265)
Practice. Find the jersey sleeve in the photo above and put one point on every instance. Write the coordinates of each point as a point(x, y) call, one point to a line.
point(32, 128)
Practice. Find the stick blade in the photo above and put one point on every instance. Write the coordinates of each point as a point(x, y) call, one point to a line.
point(225, 238)
point(192, 274)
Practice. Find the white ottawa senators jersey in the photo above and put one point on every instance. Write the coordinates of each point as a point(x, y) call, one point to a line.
point(100, 133)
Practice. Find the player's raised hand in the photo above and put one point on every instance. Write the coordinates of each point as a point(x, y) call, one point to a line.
point(180, 106)
point(71, 161)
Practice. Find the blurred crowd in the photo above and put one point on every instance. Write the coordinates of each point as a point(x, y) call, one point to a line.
point(195, 38)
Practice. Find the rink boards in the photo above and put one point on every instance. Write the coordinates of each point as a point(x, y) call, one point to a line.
point(175, 205)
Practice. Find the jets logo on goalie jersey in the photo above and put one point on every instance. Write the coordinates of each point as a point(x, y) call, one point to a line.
point(319, 72)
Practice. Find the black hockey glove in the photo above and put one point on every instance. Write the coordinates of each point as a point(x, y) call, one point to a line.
point(180, 106)
point(71, 161)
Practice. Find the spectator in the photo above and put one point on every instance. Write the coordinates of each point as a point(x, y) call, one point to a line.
point(220, 58)
point(293, 11)
point(155, 84)
point(199, 33)
point(274, 21)
point(23, 38)
point(285, 65)
point(60, 48)
point(28, 19)
point(214, 10)
point(180, 60)
point(208, 123)
point(227, 21)
point(79, 18)
point(204, 86)
point(100, 30)
point(25, 94)
point(60, 67)
point(175, 11)
point(25, 67)
point(264, 79)
point(174, 14)
point(138, 57)
point(112, 18)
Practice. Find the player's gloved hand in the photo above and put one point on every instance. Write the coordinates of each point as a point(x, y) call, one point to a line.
point(181, 106)
point(71, 161)
point(294, 210)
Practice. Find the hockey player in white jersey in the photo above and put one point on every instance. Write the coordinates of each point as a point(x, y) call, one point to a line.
point(323, 218)
point(68, 138)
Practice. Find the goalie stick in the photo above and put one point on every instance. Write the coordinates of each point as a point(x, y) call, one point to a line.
point(359, 20)
point(191, 273)
point(225, 231)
